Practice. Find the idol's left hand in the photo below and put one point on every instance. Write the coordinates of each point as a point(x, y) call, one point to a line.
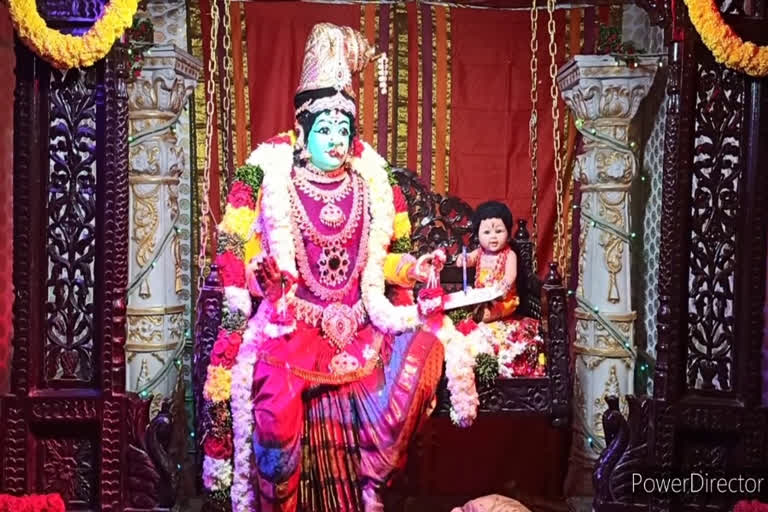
point(426, 264)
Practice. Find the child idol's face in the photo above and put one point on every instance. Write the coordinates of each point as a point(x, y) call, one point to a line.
point(493, 235)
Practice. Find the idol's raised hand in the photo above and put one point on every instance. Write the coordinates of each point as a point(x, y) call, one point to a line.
point(271, 282)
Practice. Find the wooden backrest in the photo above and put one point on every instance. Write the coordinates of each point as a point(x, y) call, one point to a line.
point(446, 222)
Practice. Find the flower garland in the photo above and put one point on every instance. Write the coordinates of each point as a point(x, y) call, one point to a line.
point(66, 51)
point(235, 231)
point(33, 503)
point(727, 47)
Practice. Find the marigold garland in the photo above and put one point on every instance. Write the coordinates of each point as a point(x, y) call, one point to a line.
point(66, 51)
point(727, 47)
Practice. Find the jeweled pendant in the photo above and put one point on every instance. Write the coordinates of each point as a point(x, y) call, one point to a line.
point(332, 216)
point(333, 265)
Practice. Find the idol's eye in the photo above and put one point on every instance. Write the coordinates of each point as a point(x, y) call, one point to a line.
point(323, 130)
point(344, 132)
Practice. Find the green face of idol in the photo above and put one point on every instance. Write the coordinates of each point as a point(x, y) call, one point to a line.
point(328, 141)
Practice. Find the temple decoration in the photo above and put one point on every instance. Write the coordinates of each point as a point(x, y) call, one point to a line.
point(158, 293)
point(724, 43)
point(604, 96)
point(66, 51)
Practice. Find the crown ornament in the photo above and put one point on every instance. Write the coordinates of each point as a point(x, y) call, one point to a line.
point(332, 55)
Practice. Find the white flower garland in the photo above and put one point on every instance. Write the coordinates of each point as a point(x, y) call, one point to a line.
point(217, 473)
point(242, 495)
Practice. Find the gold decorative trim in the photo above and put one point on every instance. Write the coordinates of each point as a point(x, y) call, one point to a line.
point(601, 352)
point(433, 154)
point(145, 222)
point(361, 113)
point(581, 314)
point(149, 347)
point(391, 121)
point(141, 115)
point(157, 310)
point(145, 179)
point(246, 90)
point(605, 187)
point(419, 88)
point(448, 103)
point(403, 74)
point(375, 119)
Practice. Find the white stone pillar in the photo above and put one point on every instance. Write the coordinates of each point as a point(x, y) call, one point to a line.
point(158, 298)
point(604, 95)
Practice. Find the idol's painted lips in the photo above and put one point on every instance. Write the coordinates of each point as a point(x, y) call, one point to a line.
point(334, 154)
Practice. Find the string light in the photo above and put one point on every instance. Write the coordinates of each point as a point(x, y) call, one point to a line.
point(612, 330)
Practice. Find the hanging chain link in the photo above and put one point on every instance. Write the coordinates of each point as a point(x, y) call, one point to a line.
point(210, 103)
point(533, 136)
point(226, 95)
point(559, 245)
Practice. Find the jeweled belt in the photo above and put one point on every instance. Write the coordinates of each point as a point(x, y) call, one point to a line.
point(339, 322)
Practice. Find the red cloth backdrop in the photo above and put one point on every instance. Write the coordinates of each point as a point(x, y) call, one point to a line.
point(490, 111)
point(276, 33)
point(7, 63)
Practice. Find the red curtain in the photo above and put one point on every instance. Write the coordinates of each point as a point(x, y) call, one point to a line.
point(7, 63)
point(490, 111)
point(276, 34)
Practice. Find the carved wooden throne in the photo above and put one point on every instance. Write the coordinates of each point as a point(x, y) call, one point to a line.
point(443, 222)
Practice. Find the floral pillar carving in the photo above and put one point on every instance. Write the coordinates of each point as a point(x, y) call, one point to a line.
point(159, 283)
point(604, 96)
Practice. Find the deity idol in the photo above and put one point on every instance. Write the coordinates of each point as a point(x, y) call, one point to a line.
point(309, 230)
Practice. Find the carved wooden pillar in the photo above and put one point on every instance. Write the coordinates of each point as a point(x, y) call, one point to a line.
point(65, 416)
point(67, 425)
point(159, 289)
point(604, 96)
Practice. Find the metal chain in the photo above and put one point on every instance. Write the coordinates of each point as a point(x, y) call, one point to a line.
point(559, 245)
point(210, 103)
point(226, 94)
point(533, 136)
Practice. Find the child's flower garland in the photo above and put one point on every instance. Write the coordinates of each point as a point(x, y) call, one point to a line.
point(67, 51)
point(727, 47)
point(230, 380)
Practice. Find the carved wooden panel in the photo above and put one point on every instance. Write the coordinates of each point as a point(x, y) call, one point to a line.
point(71, 229)
point(711, 279)
point(716, 182)
point(69, 467)
point(65, 417)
